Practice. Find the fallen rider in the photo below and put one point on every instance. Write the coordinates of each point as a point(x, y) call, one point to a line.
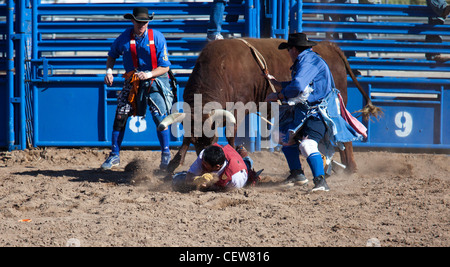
point(217, 168)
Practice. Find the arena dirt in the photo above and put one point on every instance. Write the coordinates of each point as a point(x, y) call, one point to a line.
point(59, 197)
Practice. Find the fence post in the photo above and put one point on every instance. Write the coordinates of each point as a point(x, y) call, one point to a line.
point(34, 70)
point(296, 15)
point(280, 18)
point(10, 74)
point(22, 37)
point(252, 16)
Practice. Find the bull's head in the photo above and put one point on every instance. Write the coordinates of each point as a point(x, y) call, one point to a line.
point(208, 121)
point(200, 136)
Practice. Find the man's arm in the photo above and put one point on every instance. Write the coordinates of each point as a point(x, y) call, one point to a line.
point(109, 78)
point(144, 75)
point(273, 97)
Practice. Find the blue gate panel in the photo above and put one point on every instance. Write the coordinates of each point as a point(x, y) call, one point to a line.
point(405, 124)
point(415, 114)
point(139, 130)
point(69, 113)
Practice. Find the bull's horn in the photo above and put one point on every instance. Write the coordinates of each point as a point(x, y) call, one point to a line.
point(171, 119)
point(222, 112)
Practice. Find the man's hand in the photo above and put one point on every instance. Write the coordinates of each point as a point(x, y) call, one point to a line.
point(204, 181)
point(273, 97)
point(144, 75)
point(109, 78)
point(272, 79)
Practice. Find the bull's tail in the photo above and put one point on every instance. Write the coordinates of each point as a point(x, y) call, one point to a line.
point(369, 109)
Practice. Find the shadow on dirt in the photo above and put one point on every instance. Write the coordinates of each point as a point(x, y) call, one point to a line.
point(92, 175)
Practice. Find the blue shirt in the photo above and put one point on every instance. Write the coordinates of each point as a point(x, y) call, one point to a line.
point(310, 77)
point(121, 47)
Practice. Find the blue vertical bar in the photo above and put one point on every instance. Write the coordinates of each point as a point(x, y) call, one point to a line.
point(279, 13)
point(257, 18)
point(105, 112)
point(299, 21)
point(280, 18)
point(249, 18)
point(274, 4)
point(20, 70)
point(35, 55)
point(10, 75)
point(285, 17)
point(252, 23)
point(441, 134)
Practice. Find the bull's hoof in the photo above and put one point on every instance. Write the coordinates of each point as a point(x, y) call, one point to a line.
point(171, 168)
point(173, 164)
point(351, 169)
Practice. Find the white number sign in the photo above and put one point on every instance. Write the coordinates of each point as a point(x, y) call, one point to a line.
point(404, 121)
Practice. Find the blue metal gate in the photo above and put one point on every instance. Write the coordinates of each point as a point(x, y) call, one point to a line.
point(53, 60)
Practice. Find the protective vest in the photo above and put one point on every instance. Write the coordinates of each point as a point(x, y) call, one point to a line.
point(235, 164)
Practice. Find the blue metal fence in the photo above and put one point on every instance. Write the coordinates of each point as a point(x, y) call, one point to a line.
point(53, 61)
point(69, 44)
point(14, 65)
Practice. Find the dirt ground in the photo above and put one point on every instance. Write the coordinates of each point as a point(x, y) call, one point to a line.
point(395, 199)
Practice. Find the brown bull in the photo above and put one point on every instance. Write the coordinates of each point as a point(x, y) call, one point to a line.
point(228, 71)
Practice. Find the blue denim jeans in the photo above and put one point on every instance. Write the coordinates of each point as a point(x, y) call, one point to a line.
point(437, 6)
point(216, 15)
point(342, 18)
point(160, 99)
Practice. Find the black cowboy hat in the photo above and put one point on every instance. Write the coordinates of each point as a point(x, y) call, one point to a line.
point(140, 14)
point(297, 39)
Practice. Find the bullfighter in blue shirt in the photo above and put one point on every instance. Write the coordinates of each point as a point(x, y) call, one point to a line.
point(146, 63)
point(309, 111)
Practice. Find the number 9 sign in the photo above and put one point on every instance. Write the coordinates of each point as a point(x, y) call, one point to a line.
point(404, 121)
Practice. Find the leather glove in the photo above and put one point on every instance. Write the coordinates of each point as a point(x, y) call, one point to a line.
point(205, 180)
